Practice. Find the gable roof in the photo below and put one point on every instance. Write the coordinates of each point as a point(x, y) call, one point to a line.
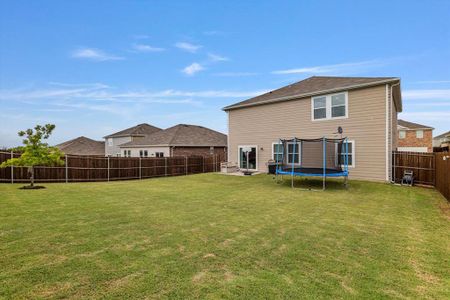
point(315, 85)
point(411, 125)
point(445, 134)
point(138, 130)
point(182, 135)
point(82, 146)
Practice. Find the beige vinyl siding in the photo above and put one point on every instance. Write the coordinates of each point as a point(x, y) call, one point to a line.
point(366, 126)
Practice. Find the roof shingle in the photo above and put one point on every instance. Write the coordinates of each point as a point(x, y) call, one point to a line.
point(311, 86)
point(411, 125)
point(182, 135)
point(138, 130)
point(82, 146)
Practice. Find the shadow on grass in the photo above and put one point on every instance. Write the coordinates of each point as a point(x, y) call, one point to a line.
point(312, 183)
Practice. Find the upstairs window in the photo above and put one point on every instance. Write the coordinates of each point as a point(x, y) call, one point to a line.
point(419, 134)
point(334, 106)
point(401, 134)
point(338, 105)
point(320, 108)
point(159, 154)
point(110, 142)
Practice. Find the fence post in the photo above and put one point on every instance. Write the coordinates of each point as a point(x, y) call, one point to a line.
point(67, 168)
point(203, 163)
point(186, 164)
point(140, 168)
point(165, 166)
point(12, 168)
point(108, 168)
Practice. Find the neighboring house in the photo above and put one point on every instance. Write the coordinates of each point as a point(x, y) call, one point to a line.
point(414, 137)
point(442, 141)
point(365, 107)
point(83, 146)
point(179, 140)
point(113, 141)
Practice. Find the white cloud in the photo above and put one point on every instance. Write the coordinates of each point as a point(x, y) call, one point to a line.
point(103, 92)
point(344, 68)
point(94, 55)
point(235, 74)
point(216, 58)
point(192, 69)
point(188, 47)
point(426, 94)
point(146, 48)
point(433, 81)
point(82, 85)
point(426, 115)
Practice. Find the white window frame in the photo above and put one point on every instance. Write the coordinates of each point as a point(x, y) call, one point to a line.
point(110, 142)
point(400, 136)
point(273, 152)
point(299, 147)
point(352, 154)
point(417, 131)
point(239, 156)
point(328, 107)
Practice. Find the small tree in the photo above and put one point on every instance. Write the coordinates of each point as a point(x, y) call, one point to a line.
point(35, 152)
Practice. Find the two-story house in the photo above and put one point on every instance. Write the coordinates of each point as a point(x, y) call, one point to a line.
point(365, 107)
point(414, 137)
point(442, 142)
point(178, 140)
point(113, 141)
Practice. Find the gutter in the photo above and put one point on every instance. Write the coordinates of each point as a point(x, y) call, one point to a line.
point(167, 145)
point(287, 98)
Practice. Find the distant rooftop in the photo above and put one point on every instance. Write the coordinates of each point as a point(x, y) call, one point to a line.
point(138, 130)
point(411, 125)
point(182, 135)
point(82, 146)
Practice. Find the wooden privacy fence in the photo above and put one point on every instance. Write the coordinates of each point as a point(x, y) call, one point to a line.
point(422, 164)
point(431, 169)
point(443, 173)
point(90, 168)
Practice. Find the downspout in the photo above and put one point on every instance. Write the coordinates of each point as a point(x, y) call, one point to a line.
point(387, 134)
point(392, 111)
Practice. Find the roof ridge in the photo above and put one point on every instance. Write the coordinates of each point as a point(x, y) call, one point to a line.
point(178, 127)
point(314, 85)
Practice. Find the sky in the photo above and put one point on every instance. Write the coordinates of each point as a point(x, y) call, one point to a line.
point(96, 67)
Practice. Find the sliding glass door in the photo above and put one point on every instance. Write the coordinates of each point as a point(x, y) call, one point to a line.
point(248, 157)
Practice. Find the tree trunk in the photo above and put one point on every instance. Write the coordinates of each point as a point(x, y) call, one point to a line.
point(31, 172)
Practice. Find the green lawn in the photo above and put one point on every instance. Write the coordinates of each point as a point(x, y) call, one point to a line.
point(216, 236)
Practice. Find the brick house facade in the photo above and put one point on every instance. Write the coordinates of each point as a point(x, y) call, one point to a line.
point(201, 151)
point(414, 137)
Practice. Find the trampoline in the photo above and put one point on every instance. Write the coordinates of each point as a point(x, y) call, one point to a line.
point(321, 157)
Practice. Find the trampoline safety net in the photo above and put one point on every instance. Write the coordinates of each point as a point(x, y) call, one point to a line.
point(312, 157)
